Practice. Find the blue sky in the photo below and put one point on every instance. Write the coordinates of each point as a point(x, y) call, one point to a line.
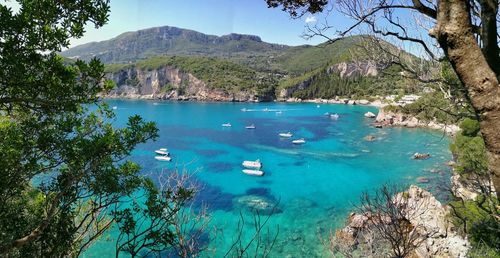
point(217, 17)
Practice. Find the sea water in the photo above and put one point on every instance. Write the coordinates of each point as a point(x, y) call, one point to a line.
point(311, 187)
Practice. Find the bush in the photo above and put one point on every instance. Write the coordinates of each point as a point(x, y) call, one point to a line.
point(469, 127)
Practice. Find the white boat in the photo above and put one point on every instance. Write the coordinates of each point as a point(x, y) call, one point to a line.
point(299, 141)
point(326, 114)
point(115, 107)
point(253, 172)
point(226, 125)
point(252, 164)
point(334, 116)
point(279, 112)
point(163, 158)
point(286, 135)
point(162, 151)
point(252, 126)
point(243, 110)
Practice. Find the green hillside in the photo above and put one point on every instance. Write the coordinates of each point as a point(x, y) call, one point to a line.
point(215, 72)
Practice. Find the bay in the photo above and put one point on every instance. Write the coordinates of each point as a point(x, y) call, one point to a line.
point(315, 185)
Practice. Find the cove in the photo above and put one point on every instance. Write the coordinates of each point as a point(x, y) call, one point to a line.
point(316, 184)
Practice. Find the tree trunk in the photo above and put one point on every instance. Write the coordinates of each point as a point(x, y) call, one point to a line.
point(454, 33)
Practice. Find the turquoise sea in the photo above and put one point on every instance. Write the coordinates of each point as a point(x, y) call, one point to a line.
point(315, 185)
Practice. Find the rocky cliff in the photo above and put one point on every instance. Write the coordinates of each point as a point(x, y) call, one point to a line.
point(357, 68)
point(168, 83)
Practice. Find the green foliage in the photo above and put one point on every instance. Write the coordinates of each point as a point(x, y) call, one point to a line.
point(324, 84)
point(476, 218)
point(168, 87)
point(63, 165)
point(469, 127)
point(469, 150)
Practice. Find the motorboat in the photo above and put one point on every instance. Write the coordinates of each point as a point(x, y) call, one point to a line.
point(299, 141)
point(163, 158)
point(243, 110)
point(226, 125)
point(252, 164)
point(334, 116)
point(162, 151)
point(286, 135)
point(115, 107)
point(252, 126)
point(253, 172)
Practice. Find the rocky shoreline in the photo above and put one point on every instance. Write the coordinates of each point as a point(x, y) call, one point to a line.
point(391, 119)
point(437, 235)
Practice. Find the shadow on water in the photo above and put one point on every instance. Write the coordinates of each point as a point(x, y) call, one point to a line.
point(219, 167)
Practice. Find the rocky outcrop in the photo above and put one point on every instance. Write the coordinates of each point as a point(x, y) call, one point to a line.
point(387, 118)
point(470, 187)
point(286, 93)
point(436, 235)
point(357, 68)
point(168, 83)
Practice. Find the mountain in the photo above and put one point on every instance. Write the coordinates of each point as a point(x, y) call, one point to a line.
point(173, 63)
point(142, 44)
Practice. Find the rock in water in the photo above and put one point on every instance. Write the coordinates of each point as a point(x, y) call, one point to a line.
point(421, 155)
point(370, 138)
point(370, 115)
point(422, 179)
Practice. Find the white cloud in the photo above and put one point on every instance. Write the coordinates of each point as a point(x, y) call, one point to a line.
point(311, 19)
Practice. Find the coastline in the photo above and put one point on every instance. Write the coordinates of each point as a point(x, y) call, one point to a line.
point(383, 119)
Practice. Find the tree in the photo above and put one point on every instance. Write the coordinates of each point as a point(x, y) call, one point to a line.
point(466, 32)
point(63, 165)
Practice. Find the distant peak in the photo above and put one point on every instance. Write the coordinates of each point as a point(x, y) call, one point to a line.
point(236, 36)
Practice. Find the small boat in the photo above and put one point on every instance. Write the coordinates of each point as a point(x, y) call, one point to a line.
point(286, 135)
point(334, 116)
point(226, 125)
point(299, 141)
point(252, 164)
point(279, 112)
point(326, 114)
point(243, 110)
point(162, 151)
point(156, 103)
point(266, 109)
point(253, 172)
point(115, 107)
point(252, 126)
point(163, 158)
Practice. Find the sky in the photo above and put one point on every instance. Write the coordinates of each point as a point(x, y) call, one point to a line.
point(215, 17)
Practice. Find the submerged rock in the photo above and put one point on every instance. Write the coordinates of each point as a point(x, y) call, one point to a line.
point(370, 138)
point(423, 179)
point(263, 205)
